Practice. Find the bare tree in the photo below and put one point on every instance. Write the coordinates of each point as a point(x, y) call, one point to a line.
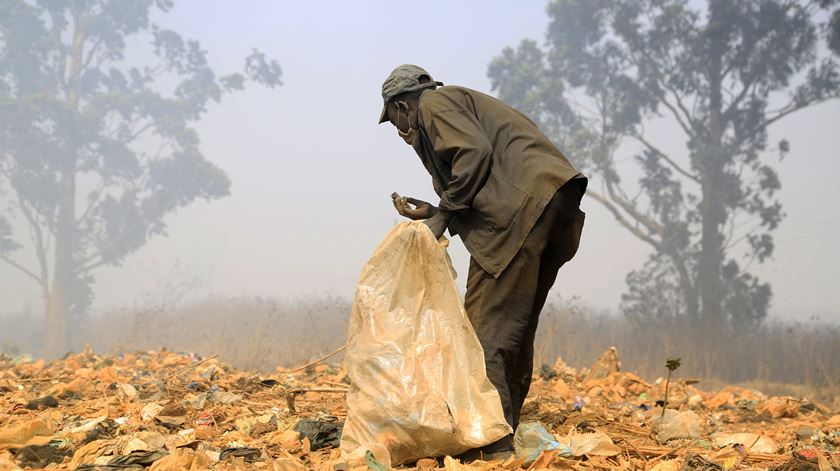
point(608, 68)
point(92, 154)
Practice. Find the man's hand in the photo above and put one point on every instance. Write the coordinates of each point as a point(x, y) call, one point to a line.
point(421, 209)
point(439, 222)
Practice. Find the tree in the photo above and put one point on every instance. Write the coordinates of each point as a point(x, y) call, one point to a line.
point(609, 67)
point(832, 26)
point(93, 155)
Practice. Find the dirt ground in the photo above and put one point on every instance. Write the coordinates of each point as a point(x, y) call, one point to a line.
point(165, 411)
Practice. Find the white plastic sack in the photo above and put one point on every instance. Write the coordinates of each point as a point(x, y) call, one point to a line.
point(415, 365)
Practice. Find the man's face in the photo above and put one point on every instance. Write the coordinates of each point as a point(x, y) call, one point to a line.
point(398, 115)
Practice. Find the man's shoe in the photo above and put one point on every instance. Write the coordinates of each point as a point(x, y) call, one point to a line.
point(497, 455)
point(479, 454)
point(501, 449)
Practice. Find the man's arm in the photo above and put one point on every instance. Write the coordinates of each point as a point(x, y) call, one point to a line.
point(459, 140)
point(439, 222)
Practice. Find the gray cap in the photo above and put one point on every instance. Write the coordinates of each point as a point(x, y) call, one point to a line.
point(405, 78)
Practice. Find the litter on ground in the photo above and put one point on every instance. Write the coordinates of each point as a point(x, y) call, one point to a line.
point(161, 410)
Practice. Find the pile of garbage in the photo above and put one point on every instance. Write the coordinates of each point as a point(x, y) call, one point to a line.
point(162, 410)
point(621, 417)
point(165, 411)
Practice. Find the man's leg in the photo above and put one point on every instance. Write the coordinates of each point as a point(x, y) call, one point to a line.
point(500, 310)
point(562, 245)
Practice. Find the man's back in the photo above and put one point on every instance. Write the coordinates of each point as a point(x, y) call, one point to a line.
point(465, 127)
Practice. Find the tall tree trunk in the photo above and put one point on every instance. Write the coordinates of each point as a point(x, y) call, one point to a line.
point(56, 338)
point(713, 213)
point(711, 245)
point(57, 306)
point(692, 305)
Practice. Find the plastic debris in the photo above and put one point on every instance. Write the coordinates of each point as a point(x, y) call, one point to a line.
point(365, 456)
point(590, 444)
point(249, 455)
point(675, 425)
point(700, 463)
point(320, 434)
point(532, 438)
point(753, 443)
point(88, 425)
point(39, 456)
point(42, 403)
point(257, 425)
point(372, 463)
point(139, 457)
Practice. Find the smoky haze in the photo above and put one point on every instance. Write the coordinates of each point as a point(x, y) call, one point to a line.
point(311, 172)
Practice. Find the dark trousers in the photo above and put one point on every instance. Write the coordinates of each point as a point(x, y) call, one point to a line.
point(504, 311)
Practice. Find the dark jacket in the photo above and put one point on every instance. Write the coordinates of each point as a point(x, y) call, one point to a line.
point(492, 166)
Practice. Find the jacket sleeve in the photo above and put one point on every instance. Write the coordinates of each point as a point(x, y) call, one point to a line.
point(459, 140)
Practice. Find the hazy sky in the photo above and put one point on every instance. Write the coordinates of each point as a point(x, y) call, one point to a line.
point(312, 171)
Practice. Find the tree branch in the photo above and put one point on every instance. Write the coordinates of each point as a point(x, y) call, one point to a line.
point(93, 201)
point(789, 108)
point(677, 116)
point(623, 220)
point(58, 47)
point(137, 133)
point(745, 235)
point(685, 120)
point(680, 105)
point(730, 232)
point(91, 266)
point(665, 157)
point(38, 241)
point(733, 106)
point(21, 268)
point(629, 208)
point(728, 69)
point(91, 54)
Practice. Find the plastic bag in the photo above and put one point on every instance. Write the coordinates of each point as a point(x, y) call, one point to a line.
point(416, 368)
point(755, 443)
point(591, 444)
point(532, 438)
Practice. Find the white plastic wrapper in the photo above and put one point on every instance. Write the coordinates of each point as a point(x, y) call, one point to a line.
point(416, 368)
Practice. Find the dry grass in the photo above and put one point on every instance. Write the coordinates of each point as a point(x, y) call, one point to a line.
point(259, 333)
point(778, 358)
point(253, 333)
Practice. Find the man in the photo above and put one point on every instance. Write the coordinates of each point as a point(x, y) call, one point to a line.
point(511, 196)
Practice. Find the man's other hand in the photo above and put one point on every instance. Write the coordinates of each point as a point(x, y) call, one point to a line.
point(421, 209)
